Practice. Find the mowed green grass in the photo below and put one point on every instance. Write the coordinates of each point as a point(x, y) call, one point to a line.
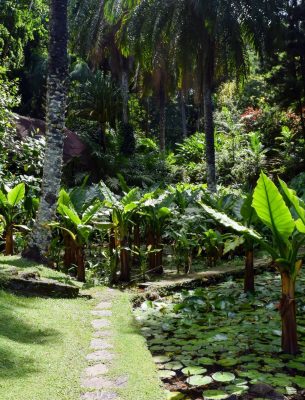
point(43, 344)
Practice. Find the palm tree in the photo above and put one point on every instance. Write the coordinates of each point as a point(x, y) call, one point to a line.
point(207, 39)
point(93, 36)
point(56, 105)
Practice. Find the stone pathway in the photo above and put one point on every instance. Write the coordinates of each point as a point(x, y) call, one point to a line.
point(96, 384)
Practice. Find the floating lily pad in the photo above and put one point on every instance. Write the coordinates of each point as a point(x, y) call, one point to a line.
point(300, 381)
point(223, 377)
point(161, 359)
point(214, 395)
point(237, 390)
point(174, 365)
point(166, 374)
point(199, 380)
point(193, 370)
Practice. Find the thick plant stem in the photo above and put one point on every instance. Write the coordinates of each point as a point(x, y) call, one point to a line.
point(288, 314)
point(249, 272)
point(56, 105)
point(80, 261)
point(9, 241)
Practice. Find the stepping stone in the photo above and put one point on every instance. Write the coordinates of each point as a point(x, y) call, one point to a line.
point(100, 344)
point(99, 396)
point(102, 313)
point(100, 323)
point(102, 334)
point(104, 305)
point(97, 382)
point(96, 370)
point(100, 355)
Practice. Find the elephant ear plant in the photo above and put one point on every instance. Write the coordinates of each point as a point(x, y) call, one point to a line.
point(288, 235)
point(77, 227)
point(10, 210)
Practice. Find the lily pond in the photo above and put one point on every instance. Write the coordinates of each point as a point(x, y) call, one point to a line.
point(215, 342)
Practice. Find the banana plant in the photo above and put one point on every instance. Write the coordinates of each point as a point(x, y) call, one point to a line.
point(121, 214)
point(155, 210)
point(10, 211)
point(77, 228)
point(288, 235)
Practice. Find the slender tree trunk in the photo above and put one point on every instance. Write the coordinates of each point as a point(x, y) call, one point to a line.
point(125, 265)
point(56, 106)
point(288, 314)
point(209, 140)
point(162, 117)
point(80, 262)
point(159, 255)
point(183, 115)
point(136, 244)
point(151, 245)
point(125, 95)
point(249, 271)
point(9, 241)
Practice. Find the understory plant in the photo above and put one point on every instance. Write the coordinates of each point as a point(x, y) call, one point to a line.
point(10, 211)
point(287, 236)
point(76, 226)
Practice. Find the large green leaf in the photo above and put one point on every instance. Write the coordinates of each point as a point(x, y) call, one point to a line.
point(64, 198)
point(228, 222)
point(272, 209)
point(71, 214)
point(297, 204)
point(90, 212)
point(16, 194)
point(3, 198)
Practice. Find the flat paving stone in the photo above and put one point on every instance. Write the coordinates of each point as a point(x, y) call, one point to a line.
point(102, 334)
point(96, 370)
point(100, 323)
point(104, 305)
point(97, 382)
point(99, 396)
point(100, 355)
point(100, 344)
point(102, 313)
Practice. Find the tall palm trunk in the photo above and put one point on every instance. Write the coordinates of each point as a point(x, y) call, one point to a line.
point(183, 115)
point(209, 139)
point(162, 116)
point(288, 314)
point(128, 144)
point(56, 105)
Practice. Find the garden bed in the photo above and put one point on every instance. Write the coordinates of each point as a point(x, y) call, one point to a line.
point(217, 343)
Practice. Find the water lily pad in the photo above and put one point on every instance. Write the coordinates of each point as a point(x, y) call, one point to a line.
point(300, 381)
point(161, 359)
point(166, 374)
point(223, 377)
point(237, 390)
point(214, 395)
point(205, 361)
point(199, 380)
point(228, 362)
point(174, 365)
point(193, 370)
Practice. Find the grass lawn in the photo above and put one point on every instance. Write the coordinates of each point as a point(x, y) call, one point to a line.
point(133, 355)
point(43, 342)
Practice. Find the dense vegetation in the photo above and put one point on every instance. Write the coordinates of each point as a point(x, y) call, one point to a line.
point(140, 136)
